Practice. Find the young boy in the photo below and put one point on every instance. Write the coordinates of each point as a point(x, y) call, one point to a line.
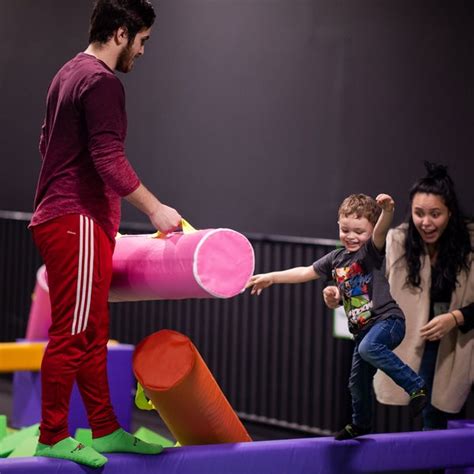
point(375, 319)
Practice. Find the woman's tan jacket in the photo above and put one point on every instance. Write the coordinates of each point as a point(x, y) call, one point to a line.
point(454, 373)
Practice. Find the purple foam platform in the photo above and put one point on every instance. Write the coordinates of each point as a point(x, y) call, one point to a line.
point(27, 393)
point(369, 454)
point(453, 424)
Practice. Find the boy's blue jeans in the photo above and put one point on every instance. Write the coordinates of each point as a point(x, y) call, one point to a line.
point(372, 351)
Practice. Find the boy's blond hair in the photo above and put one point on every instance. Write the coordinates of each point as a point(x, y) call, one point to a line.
point(360, 205)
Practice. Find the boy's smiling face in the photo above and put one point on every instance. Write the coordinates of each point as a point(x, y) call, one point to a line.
point(354, 231)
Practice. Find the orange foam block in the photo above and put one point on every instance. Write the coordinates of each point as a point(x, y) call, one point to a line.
point(21, 356)
point(184, 392)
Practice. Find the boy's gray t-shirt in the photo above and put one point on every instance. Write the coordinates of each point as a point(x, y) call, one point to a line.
point(362, 284)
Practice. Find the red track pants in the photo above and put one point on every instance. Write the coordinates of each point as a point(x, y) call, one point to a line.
point(78, 258)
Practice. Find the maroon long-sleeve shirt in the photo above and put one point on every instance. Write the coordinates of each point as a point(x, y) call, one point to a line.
point(84, 169)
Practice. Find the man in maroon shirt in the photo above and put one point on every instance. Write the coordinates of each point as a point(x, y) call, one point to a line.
point(83, 177)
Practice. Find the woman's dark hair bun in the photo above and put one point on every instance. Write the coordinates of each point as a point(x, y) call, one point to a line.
point(436, 171)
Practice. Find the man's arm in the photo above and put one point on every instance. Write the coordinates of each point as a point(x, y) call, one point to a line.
point(164, 218)
point(384, 221)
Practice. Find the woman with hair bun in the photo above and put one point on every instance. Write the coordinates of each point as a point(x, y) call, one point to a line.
point(431, 274)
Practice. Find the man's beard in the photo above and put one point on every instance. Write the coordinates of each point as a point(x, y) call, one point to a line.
point(125, 60)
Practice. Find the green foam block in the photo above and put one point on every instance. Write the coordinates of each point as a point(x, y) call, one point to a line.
point(3, 426)
point(84, 436)
point(25, 448)
point(150, 436)
point(11, 441)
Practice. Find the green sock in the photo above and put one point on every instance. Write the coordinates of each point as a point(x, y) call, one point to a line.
point(69, 448)
point(122, 442)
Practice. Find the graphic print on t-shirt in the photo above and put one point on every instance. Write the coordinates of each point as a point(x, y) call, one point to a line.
point(353, 285)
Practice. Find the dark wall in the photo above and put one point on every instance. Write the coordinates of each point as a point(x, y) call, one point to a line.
point(261, 115)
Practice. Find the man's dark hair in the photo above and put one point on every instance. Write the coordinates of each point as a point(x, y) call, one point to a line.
point(109, 15)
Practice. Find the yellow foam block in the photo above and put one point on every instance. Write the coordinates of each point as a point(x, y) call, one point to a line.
point(21, 356)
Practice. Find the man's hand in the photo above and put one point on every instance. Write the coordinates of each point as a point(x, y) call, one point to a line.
point(260, 282)
point(165, 218)
point(386, 202)
point(332, 297)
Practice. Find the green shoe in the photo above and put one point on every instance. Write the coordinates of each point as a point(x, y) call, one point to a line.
point(122, 442)
point(69, 448)
point(350, 431)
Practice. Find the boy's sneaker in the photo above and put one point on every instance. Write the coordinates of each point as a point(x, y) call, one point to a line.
point(418, 401)
point(351, 431)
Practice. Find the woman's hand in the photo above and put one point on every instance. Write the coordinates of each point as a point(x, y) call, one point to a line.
point(438, 327)
point(260, 282)
point(332, 297)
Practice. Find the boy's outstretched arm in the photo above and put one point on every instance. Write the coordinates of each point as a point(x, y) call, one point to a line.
point(292, 275)
point(385, 220)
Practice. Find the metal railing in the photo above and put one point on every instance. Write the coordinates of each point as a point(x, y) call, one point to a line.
point(274, 356)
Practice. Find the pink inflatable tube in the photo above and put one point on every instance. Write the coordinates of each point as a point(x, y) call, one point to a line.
point(211, 263)
point(40, 311)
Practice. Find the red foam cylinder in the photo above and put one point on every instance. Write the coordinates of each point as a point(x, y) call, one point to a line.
point(184, 392)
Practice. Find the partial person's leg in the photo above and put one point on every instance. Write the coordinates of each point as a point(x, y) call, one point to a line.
point(376, 349)
point(93, 322)
point(59, 244)
point(433, 418)
point(360, 386)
